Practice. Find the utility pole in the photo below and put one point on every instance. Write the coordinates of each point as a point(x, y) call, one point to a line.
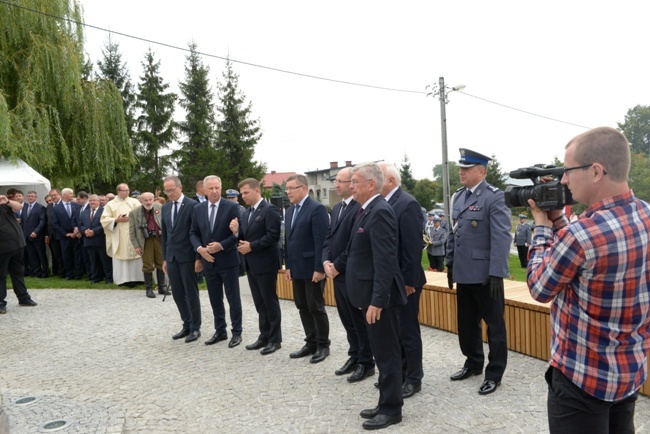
point(445, 161)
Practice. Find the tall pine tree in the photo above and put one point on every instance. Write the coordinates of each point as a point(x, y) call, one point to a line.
point(408, 182)
point(237, 133)
point(495, 175)
point(197, 156)
point(156, 126)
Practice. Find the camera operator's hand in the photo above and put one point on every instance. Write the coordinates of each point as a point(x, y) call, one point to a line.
point(450, 276)
point(541, 217)
point(496, 287)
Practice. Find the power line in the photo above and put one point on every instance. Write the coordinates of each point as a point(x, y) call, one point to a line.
point(270, 68)
point(523, 111)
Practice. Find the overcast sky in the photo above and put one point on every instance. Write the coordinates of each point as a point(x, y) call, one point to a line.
point(580, 62)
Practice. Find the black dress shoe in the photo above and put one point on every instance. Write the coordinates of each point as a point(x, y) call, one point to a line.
point(272, 347)
point(193, 336)
point(361, 373)
point(3, 309)
point(376, 384)
point(150, 293)
point(488, 387)
point(216, 338)
point(320, 355)
point(256, 345)
point(465, 373)
point(349, 366)
point(28, 302)
point(369, 413)
point(409, 390)
point(381, 421)
point(303, 352)
point(236, 340)
point(181, 334)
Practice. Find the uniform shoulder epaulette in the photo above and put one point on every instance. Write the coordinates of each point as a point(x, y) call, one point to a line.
point(462, 188)
point(492, 188)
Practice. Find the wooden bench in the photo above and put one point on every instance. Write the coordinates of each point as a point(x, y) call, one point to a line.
point(527, 320)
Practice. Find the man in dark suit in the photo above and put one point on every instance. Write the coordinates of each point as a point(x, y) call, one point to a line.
point(258, 231)
point(375, 285)
point(306, 228)
point(34, 225)
point(94, 240)
point(212, 238)
point(478, 252)
point(360, 360)
point(12, 254)
point(64, 223)
point(180, 261)
point(409, 254)
point(51, 239)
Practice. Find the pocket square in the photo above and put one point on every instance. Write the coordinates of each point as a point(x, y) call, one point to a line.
point(360, 230)
point(258, 218)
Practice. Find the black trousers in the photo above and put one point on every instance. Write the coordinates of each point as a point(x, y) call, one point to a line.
point(101, 266)
point(474, 304)
point(72, 260)
point(12, 263)
point(436, 262)
point(384, 338)
point(354, 324)
point(217, 281)
point(57, 257)
point(264, 292)
point(411, 339)
point(522, 251)
point(572, 410)
point(308, 297)
point(185, 291)
point(37, 257)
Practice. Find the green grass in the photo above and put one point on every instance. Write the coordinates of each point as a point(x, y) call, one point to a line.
point(518, 274)
point(58, 283)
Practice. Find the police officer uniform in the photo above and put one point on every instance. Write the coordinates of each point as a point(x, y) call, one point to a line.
point(478, 250)
point(523, 237)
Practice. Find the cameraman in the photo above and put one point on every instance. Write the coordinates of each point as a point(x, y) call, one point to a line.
point(144, 231)
point(595, 273)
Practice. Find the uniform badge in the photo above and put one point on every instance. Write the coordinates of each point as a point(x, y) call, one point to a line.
point(474, 208)
point(474, 223)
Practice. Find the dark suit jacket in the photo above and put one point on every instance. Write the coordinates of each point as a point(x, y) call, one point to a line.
point(372, 272)
point(304, 240)
point(36, 222)
point(201, 234)
point(99, 239)
point(263, 234)
point(338, 235)
point(176, 244)
point(409, 237)
point(61, 223)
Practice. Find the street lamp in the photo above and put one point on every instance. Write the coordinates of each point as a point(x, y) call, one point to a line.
point(442, 92)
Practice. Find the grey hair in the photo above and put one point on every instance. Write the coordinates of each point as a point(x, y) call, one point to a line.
point(67, 190)
point(371, 171)
point(209, 178)
point(391, 171)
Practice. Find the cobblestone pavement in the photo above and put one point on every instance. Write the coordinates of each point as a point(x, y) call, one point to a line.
point(104, 360)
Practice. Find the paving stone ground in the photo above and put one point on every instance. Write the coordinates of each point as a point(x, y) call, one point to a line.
point(104, 360)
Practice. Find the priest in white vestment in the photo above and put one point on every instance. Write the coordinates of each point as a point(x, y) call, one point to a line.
point(127, 264)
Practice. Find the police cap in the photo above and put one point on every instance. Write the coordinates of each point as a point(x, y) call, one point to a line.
point(231, 192)
point(470, 158)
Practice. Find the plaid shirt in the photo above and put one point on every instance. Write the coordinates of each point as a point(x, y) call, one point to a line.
point(596, 272)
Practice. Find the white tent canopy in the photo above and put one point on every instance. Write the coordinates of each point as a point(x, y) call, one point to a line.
point(21, 176)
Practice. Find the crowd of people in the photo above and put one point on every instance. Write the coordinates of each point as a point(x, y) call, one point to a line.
point(594, 271)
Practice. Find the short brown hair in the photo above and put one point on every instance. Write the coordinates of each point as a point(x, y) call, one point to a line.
point(604, 145)
point(301, 179)
point(250, 182)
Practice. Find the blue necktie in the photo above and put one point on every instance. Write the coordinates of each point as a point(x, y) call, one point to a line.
point(68, 210)
point(295, 213)
point(175, 214)
point(213, 211)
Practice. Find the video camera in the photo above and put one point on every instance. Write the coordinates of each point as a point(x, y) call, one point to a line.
point(547, 195)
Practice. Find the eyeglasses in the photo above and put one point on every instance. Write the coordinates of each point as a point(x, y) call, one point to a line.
point(171, 190)
point(295, 188)
point(336, 181)
point(357, 181)
point(584, 166)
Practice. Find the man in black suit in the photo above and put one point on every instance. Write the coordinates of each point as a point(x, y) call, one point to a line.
point(50, 239)
point(94, 240)
point(180, 261)
point(34, 225)
point(306, 227)
point(375, 285)
point(213, 240)
point(12, 254)
point(259, 232)
point(360, 360)
point(409, 254)
point(64, 222)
